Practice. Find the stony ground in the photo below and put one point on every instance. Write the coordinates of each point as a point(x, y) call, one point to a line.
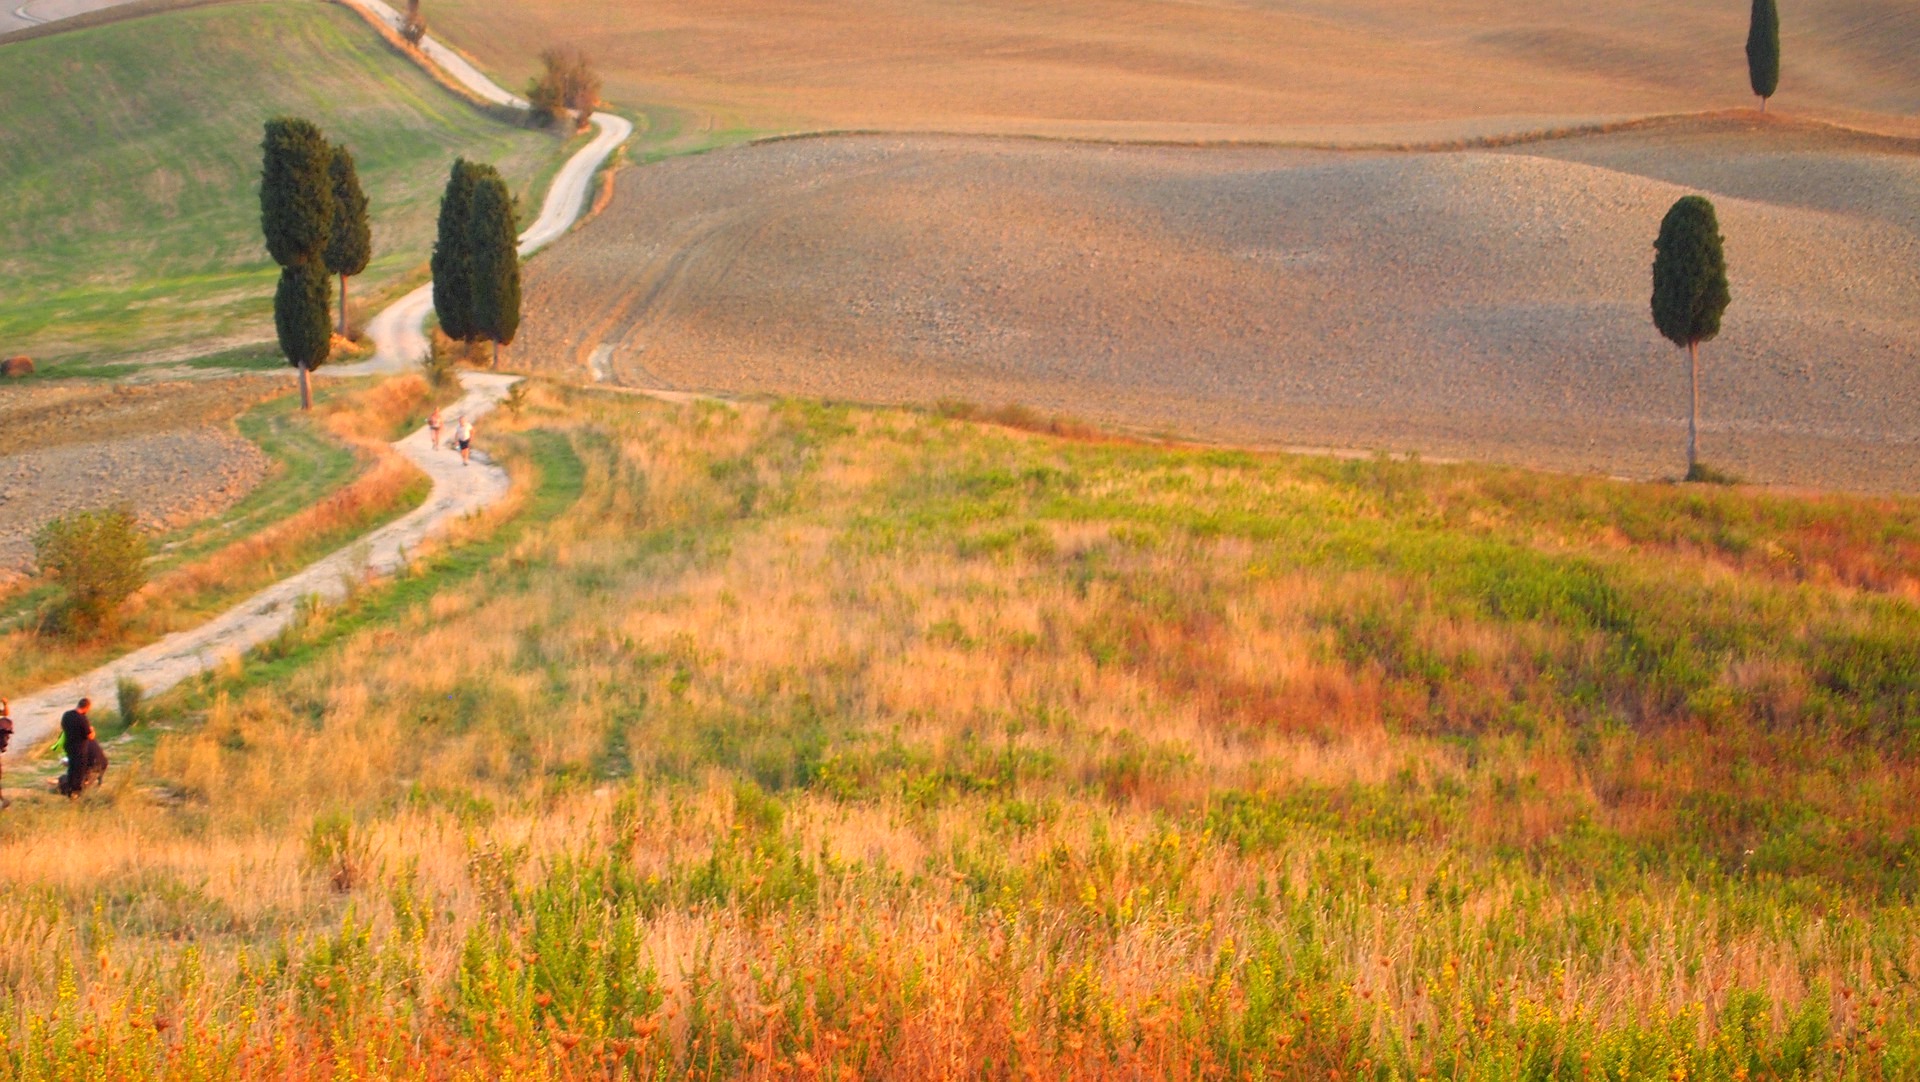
point(168, 450)
point(1483, 304)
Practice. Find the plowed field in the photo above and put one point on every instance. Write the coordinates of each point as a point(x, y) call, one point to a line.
point(1483, 304)
point(1198, 69)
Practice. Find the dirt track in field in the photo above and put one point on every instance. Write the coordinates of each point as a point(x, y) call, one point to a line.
point(1482, 304)
point(167, 450)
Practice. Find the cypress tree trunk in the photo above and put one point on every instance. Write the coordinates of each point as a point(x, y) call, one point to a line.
point(1693, 415)
point(343, 306)
point(306, 388)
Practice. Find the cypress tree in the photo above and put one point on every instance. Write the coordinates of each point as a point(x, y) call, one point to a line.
point(452, 273)
point(296, 216)
point(1690, 292)
point(494, 249)
point(300, 317)
point(351, 245)
point(1763, 50)
point(296, 191)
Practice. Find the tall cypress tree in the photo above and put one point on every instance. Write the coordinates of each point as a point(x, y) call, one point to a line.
point(296, 216)
point(452, 263)
point(494, 250)
point(351, 244)
point(1690, 293)
point(1763, 50)
point(300, 317)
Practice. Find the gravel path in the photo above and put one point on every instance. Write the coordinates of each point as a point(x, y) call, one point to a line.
point(399, 331)
point(457, 490)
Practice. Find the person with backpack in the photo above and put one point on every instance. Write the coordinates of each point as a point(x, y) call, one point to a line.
point(6, 735)
point(86, 759)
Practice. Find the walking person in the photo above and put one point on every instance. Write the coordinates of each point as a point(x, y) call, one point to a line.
point(6, 734)
point(463, 438)
point(86, 759)
point(433, 426)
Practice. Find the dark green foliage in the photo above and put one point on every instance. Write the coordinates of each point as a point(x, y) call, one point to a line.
point(493, 248)
point(351, 243)
point(296, 191)
point(1689, 274)
point(98, 559)
point(1763, 49)
point(300, 315)
point(130, 694)
point(452, 270)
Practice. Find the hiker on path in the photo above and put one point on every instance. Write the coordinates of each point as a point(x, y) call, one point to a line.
point(433, 426)
point(463, 438)
point(86, 759)
point(6, 734)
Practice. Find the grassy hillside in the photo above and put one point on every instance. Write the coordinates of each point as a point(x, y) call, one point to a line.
point(130, 158)
point(796, 741)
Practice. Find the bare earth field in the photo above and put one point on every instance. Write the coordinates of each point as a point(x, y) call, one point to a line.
point(168, 450)
point(1482, 304)
point(1198, 69)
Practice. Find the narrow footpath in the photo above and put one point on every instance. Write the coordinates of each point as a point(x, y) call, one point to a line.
point(399, 336)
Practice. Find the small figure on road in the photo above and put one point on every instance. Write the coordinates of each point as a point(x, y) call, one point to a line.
point(6, 734)
point(433, 426)
point(86, 759)
point(463, 438)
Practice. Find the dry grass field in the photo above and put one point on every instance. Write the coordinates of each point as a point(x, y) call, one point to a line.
point(1211, 69)
point(797, 742)
point(1484, 304)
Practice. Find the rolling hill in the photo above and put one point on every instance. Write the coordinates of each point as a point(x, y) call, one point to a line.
point(130, 158)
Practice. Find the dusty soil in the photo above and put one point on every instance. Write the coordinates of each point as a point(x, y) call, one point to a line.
point(168, 450)
point(1481, 304)
point(1198, 69)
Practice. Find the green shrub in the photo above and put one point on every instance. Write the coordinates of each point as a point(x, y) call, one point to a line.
point(131, 694)
point(339, 850)
point(98, 559)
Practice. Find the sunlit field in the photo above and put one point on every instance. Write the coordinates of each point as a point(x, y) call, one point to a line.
point(781, 740)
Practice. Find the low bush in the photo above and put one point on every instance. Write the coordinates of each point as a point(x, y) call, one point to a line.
point(98, 559)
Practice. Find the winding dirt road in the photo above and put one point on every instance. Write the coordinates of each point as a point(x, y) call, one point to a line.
point(457, 491)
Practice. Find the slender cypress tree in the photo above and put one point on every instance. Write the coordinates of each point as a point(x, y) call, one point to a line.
point(296, 216)
point(1690, 293)
point(494, 250)
point(1763, 50)
point(452, 263)
point(351, 245)
point(300, 317)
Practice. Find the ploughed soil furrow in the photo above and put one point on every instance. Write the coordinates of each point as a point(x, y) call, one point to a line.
point(1487, 304)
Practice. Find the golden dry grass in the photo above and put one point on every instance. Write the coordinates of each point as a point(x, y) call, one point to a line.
point(817, 742)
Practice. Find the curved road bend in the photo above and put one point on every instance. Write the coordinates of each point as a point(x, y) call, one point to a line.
point(398, 331)
point(399, 341)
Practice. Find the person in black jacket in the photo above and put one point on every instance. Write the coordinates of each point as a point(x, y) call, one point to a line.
point(86, 759)
point(6, 735)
